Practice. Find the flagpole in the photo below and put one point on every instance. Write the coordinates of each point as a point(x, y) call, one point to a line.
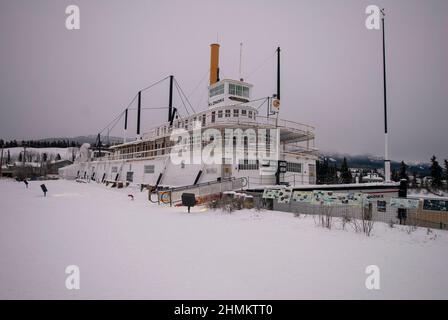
point(386, 140)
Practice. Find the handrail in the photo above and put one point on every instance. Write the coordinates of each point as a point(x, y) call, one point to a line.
point(165, 130)
point(208, 183)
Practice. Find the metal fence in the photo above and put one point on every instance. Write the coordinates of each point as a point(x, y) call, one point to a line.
point(383, 213)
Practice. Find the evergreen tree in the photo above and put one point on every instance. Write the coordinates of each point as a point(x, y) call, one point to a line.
point(446, 173)
point(394, 176)
point(58, 157)
point(346, 175)
point(414, 180)
point(321, 171)
point(20, 157)
point(436, 172)
point(403, 174)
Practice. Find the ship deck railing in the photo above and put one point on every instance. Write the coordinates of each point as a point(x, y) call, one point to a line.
point(292, 150)
point(289, 129)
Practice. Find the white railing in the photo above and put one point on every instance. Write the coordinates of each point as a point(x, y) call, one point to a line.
point(258, 121)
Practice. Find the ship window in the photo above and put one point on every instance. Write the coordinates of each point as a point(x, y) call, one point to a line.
point(219, 113)
point(217, 90)
point(203, 120)
point(186, 124)
point(213, 116)
point(293, 167)
point(236, 112)
point(227, 113)
point(149, 169)
point(248, 164)
point(243, 112)
point(239, 90)
point(250, 114)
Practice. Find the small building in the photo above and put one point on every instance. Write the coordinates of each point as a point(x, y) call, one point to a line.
point(372, 177)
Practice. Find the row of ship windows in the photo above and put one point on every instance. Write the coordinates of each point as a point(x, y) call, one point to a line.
point(242, 165)
point(215, 114)
point(147, 169)
point(254, 165)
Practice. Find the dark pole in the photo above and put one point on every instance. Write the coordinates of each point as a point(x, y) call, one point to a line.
point(278, 73)
point(386, 142)
point(170, 103)
point(384, 75)
point(126, 119)
point(138, 111)
point(99, 144)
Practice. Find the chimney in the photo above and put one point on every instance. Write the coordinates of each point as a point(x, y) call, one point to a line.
point(214, 63)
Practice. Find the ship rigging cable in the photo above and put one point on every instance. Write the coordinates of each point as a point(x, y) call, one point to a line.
point(182, 93)
point(118, 117)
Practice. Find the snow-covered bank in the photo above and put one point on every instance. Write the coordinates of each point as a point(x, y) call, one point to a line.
point(135, 249)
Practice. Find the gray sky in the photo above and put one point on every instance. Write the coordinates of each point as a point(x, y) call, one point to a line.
point(55, 82)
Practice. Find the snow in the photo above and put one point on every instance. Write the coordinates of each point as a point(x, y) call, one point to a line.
point(425, 194)
point(135, 249)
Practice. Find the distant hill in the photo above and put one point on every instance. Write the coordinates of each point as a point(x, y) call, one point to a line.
point(367, 161)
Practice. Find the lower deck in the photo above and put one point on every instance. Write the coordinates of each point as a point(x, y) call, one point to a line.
point(162, 172)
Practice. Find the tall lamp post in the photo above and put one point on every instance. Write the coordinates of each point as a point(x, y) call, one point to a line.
point(386, 141)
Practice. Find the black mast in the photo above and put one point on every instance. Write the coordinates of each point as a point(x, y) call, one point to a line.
point(278, 73)
point(139, 111)
point(170, 103)
point(99, 145)
point(126, 119)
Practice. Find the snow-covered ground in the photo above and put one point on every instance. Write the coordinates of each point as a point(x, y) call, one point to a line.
point(135, 249)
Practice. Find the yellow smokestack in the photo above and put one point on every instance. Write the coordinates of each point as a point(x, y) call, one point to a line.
point(214, 63)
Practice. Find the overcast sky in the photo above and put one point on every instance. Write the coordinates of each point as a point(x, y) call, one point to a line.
point(60, 83)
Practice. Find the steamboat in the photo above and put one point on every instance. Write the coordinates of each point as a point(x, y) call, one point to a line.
point(232, 123)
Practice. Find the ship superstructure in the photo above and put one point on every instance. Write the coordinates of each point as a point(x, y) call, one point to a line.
point(264, 149)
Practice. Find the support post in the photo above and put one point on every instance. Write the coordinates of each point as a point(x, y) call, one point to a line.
point(139, 108)
point(125, 125)
point(278, 73)
point(99, 145)
point(170, 102)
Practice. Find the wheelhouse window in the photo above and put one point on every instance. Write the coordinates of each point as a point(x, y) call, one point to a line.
point(213, 116)
point(238, 90)
point(227, 113)
point(236, 113)
point(217, 90)
point(250, 114)
point(243, 112)
point(219, 113)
